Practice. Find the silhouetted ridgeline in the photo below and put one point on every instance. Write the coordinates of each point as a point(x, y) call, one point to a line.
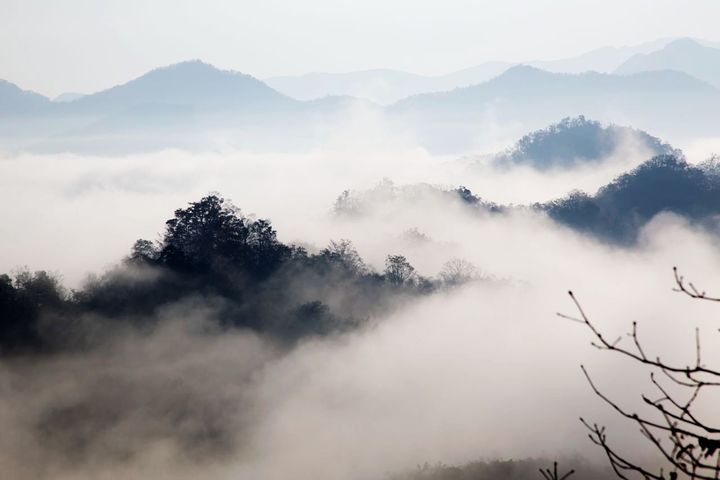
point(360, 203)
point(213, 256)
point(615, 214)
point(618, 210)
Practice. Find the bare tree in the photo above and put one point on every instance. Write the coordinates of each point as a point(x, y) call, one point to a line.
point(687, 444)
point(344, 252)
point(457, 271)
point(398, 270)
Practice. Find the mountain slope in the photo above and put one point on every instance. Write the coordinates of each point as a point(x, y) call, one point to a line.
point(684, 55)
point(525, 81)
point(190, 84)
point(603, 60)
point(14, 100)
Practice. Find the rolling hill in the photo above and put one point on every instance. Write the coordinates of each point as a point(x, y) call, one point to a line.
point(574, 141)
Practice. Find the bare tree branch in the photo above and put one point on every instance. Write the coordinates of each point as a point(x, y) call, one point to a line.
point(689, 446)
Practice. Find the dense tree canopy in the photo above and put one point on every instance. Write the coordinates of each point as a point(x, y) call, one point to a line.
point(665, 183)
point(212, 253)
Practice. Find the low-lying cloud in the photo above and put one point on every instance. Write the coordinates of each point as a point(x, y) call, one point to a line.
point(482, 371)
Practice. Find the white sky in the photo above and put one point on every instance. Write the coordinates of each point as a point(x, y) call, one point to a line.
point(86, 45)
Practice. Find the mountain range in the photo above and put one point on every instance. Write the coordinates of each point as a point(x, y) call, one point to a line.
point(532, 98)
point(384, 86)
point(192, 98)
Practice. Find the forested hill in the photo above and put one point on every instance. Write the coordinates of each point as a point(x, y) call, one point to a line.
point(574, 141)
point(666, 183)
point(214, 259)
point(615, 214)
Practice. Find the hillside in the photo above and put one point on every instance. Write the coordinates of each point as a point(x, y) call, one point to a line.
point(14, 100)
point(194, 84)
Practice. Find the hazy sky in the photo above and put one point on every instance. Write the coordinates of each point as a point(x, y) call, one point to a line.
point(87, 45)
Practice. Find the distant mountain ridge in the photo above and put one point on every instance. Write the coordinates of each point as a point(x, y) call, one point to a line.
point(684, 55)
point(195, 98)
point(601, 60)
point(534, 98)
point(191, 83)
point(383, 86)
point(14, 100)
point(386, 86)
point(525, 79)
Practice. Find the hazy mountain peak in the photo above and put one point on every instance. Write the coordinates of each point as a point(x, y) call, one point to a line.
point(190, 83)
point(520, 76)
point(191, 71)
point(684, 55)
point(523, 70)
point(14, 99)
point(195, 66)
point(682, 44)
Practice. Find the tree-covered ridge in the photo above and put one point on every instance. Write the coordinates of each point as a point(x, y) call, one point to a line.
point(350, 203)
point(666, 183)
point(235, 266)
point(575, 141)
point(615, 214)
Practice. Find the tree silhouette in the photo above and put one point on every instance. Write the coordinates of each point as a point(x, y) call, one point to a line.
point(144, 251)
point(689, 445)
point(398, 270)
point(23, 300)
point(343, 253)
point(211, 233)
